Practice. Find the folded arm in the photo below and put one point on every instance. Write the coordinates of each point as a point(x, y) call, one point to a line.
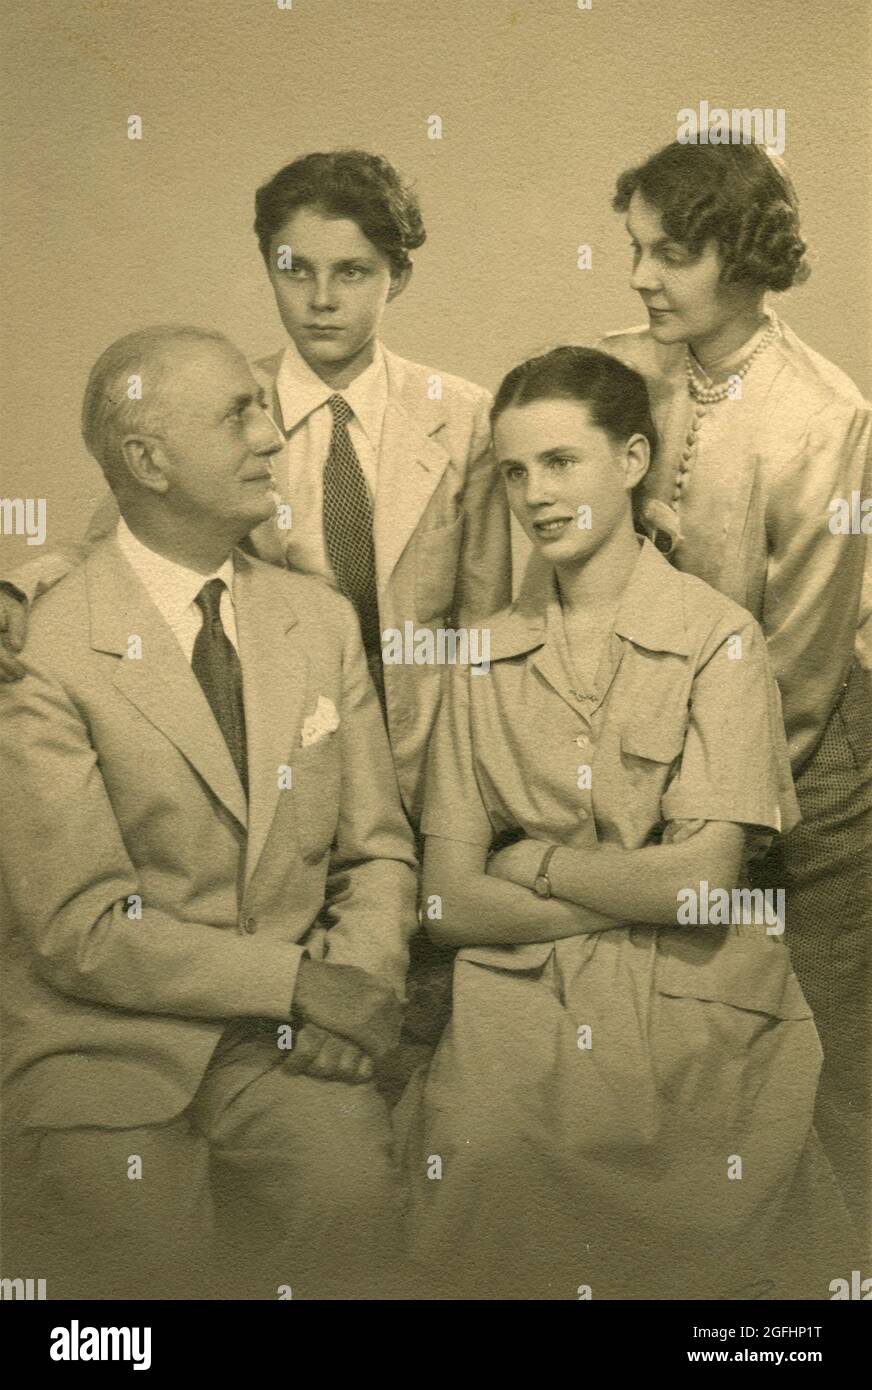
point(634, 885)
point(479, 909)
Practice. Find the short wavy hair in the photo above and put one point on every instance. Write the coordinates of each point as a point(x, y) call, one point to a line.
point(741, 196)
point(345, 183)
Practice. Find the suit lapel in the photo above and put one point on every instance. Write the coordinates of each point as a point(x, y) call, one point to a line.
point(411, 463)
point(275, 677)
point(160, 682)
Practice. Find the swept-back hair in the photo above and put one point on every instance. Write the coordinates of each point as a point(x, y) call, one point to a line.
point(616, 395)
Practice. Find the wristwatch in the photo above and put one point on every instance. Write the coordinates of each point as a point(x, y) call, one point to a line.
point(542, 883)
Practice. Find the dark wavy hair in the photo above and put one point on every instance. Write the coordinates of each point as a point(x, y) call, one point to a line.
point(344, 183)
point(741, 196)
point(616, 395)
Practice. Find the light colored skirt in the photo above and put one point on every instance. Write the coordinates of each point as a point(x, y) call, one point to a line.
point(627, 1113)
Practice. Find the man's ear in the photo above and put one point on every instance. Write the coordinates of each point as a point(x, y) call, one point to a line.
point(637, 457)
point(145, 461)
point(399, 281)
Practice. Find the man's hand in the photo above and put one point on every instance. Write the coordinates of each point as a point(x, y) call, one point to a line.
point(319, 1053)
point(13, 630)
point(518, 863)
point(346, 1000)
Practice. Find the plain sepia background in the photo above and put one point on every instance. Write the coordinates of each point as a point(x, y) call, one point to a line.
point(542, 105)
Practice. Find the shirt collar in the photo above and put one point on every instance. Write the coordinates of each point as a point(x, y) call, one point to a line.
point(300, 391)
point(171, 587)
point(650, 613)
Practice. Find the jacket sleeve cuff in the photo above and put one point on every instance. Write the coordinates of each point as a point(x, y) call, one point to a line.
point(267, 988)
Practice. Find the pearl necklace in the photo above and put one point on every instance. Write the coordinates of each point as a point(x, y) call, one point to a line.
point(708, 395)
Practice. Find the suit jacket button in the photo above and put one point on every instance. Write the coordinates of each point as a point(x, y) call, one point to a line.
point(249, 925)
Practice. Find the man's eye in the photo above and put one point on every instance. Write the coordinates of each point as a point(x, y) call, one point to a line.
point(353, 272)
point(514, 475)
point(562, 462)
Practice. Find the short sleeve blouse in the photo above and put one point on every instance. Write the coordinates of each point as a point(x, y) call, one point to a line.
point(683, 722)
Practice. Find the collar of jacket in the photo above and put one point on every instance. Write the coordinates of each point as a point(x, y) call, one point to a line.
point(115, 594)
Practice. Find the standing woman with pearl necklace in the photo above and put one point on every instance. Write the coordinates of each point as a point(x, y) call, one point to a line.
point(759, 436)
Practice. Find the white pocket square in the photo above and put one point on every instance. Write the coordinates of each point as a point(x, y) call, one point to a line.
point(324, 721)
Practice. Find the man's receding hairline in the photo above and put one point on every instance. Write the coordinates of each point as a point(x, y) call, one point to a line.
point(135, 354)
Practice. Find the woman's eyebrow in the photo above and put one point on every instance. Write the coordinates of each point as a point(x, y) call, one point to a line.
point(555, 452)
point(344, 264)
point(657, 245)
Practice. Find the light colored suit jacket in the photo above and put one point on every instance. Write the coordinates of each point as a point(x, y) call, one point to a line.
point(440, 530)
point(441, 533)
point(118, 788)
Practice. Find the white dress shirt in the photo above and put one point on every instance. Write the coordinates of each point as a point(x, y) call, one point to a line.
point(308, 423)
point(172, 589)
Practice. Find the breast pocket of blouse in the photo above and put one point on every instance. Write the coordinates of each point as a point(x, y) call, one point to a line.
point(650, 754)
point(438, 555)
point(316, 782)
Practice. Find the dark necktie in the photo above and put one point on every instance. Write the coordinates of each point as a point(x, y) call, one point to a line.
point(217, 668)
point(348, 534)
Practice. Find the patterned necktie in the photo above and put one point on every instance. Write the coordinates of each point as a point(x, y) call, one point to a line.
point(217, 668)
point(348, 534)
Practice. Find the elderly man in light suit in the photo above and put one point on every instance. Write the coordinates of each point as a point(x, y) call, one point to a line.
point(194, 761)
point(387, 484)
